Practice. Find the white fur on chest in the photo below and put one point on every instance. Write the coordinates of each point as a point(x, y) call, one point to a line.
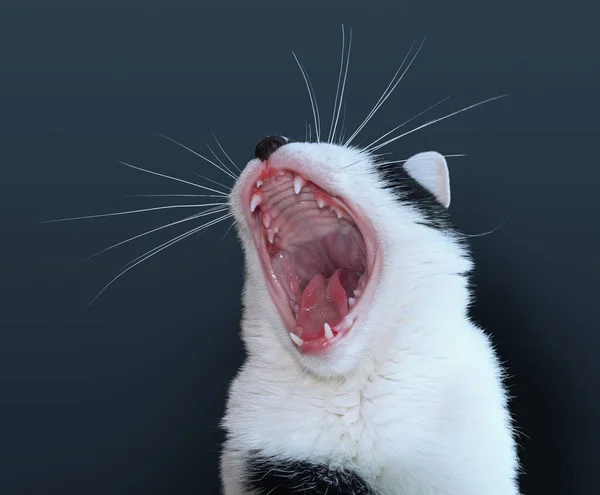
point(425, 421)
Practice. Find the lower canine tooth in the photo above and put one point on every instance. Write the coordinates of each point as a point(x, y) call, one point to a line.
point(298, 183)
point(295, 339)
point(351, 301)
point(328, 332)
point(271, 234)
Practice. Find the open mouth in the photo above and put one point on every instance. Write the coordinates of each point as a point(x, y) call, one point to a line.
point(316, 259)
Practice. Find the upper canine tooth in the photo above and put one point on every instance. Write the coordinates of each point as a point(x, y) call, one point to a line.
point(351, 301)
point(255, 201)
point(298, 183)
point(295, 339)
point(271, 235)
point(357, 293)
point(259, 183)
point(328, 331)
point(338, 213)
point(320, 202)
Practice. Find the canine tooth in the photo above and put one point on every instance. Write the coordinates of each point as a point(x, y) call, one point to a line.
point(295, 339)
point(357, 293)
point(298, 183)
point(320, 202)
point(266, 220)
point(259, 183)
point(254, 202)
point(351, 301)
point(270, 236)
point(328, 331)
point(338, 213)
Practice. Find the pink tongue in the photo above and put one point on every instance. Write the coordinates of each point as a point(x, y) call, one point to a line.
point(323, 301)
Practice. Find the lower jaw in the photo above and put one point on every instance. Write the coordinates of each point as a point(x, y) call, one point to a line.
point(341, 329)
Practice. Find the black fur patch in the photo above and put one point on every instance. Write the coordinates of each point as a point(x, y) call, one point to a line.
point(277, 477)
point(410, 191)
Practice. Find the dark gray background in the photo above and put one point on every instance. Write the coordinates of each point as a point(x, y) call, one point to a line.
point(125, 398)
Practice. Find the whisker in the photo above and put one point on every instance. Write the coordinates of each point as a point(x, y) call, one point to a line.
point(214, 182)
point(488, 232)
point(337, 90)
point(437, 120)
point(406, 122)
point(131, 212)
point(179, 238)
point(187, 219)
point(389, 90)
point(364, 156)
point(343, 125)
point(212, 210)
point(225, 153)
point(312, 100)
point(395, 162)
point(385, 92)
point(227, 231)
point(343, 86)
point(169, 177)
point(220, 161)
point(199, 155)
point(318, 135)
point(173, 196)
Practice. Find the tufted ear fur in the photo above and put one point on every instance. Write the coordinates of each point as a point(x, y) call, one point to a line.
point(431, 171)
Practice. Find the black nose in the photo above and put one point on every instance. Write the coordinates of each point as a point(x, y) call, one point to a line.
point(267, 146)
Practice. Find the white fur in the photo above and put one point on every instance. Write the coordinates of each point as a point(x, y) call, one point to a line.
point(430, 169)
point(411, 398)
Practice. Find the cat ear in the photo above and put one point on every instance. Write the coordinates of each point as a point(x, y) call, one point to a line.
point(431, 171)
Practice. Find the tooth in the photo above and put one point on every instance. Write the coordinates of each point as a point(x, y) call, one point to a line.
point(254, 202)
point(295, 339)
point(357, 293)
point(296, 308)
point(351, 301)
point(259, 183)
point(328, 332)
point(338, 213)
point(271, 235)
point(320, 202)
point(298, 183)
point(266, 220)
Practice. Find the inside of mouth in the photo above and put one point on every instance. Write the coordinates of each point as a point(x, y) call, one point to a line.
point(317, 253)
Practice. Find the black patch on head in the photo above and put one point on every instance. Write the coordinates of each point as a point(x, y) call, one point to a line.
point(412, 192)
point(267, 146)
point(278, 477)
